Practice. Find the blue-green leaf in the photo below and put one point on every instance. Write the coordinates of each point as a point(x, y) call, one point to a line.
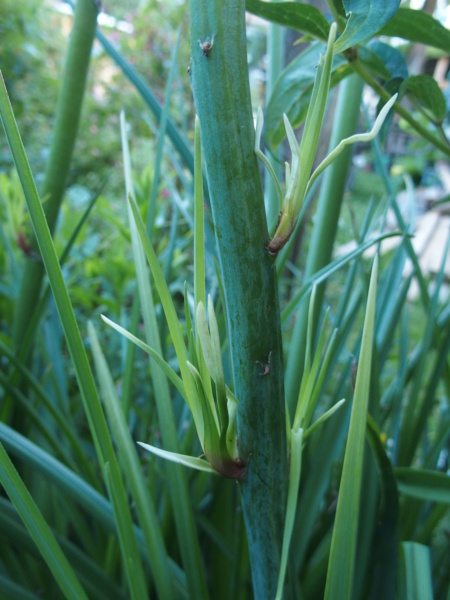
point(425, 90)
point(383, 60)
point(364, 19)
point(418, 26)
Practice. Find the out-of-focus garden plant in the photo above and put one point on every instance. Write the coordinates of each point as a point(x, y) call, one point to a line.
point(309, 378)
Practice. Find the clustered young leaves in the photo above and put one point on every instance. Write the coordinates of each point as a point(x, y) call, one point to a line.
point(298, 174)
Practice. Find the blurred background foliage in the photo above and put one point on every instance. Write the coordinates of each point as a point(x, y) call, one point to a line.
point(32, 46)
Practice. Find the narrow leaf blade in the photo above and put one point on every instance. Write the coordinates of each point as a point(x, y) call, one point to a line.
point(182, 459)
point(132, 471)
point(343, 544)
point(166, 368)
point(423, 484)
point(416, 570)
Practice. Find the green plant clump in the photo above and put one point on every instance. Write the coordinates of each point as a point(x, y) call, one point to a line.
point(200, 399)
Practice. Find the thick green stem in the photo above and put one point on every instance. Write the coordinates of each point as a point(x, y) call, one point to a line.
point(325, 226)
point(65, 132)
point(220, 84)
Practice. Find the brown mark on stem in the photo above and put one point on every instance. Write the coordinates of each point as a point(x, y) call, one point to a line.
point(206, 45)
point(265, 366)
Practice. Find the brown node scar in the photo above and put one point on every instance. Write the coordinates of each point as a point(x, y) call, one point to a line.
point(265, 366)
point(206, 45)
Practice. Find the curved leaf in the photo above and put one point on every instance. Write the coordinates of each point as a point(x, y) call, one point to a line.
point(353, 139)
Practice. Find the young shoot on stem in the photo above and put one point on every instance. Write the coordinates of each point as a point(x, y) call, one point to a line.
point(214, 407)
point(315, 369)
point(298, 173)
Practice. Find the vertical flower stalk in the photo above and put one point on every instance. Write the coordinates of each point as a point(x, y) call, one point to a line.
point(219, 75)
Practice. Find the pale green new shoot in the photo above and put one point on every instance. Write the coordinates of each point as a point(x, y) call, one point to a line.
point(298, 174)
point(354, 139)
point(214, 408)
point(313, 376)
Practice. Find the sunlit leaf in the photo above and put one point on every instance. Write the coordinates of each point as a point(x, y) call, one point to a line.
point(364, 19)
point(182, 459)
point(418, 26)
point(297, 15)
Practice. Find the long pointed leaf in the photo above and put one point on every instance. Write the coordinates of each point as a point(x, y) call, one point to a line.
point(182, 459)
point(423, 484)
point(169, 309)
point(343, 545)
point(76, 488)
point(39, 530)
point(131, 560)
point(294, 483)
point(176, 478)
point(133, 473)
point(168, 371)
point(89, 394)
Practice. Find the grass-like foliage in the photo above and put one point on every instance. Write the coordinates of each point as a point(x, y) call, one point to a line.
point(191, 407)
